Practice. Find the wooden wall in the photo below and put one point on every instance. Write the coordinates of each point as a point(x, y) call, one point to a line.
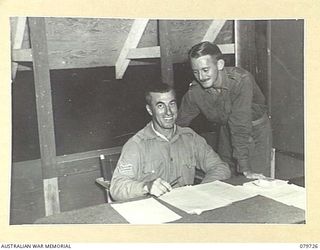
point(77, 187)
point(97, 42)
point(27, 203)
point(287, 94)
point(276, 59)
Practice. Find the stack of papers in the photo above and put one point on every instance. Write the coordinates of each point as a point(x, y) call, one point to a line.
point(203, 197)
point(146, 211)
point(278, 190)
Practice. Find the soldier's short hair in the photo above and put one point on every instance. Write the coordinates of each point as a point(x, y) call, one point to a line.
point(156, 87)
point(205, 48)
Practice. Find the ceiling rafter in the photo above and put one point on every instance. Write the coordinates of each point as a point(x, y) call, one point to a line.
point(17, 42)
point(132, 41)
point(142, 53)
point(213, 30)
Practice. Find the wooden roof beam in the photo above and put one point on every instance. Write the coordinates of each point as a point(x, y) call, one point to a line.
point(17, 42)
point(154, 52)
point(227, 48)
point(142, 53)
point(132, 41)
point(25, 55)
point(213, 30)
point(212, 33)
point(21, 55)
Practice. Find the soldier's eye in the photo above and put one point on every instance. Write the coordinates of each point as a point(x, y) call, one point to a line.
point(173, 103)
point(160, 105)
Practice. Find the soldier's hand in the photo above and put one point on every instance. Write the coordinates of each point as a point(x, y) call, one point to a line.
point(158, 187)
point(252, 175)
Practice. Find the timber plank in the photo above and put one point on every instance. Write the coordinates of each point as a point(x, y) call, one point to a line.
point(213, 30)
point(44, 114)
point(43, 97)
point(134, 36)
point(166, 52)
point(17, 37)
point(245, 45)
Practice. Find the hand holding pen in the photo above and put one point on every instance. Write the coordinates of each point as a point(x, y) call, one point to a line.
point(175, 181)
point(159, 186)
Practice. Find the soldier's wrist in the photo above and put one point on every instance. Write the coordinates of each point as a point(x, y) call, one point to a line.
point(147, 187)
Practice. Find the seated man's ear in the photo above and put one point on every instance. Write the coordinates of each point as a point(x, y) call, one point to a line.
point(149, 109)
point(220, 64)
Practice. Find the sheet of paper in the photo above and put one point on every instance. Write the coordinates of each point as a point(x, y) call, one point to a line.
point(146, 211)
point(278, 190)
point(203, 197)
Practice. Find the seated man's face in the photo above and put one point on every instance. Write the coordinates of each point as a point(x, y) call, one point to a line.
point(163, 109)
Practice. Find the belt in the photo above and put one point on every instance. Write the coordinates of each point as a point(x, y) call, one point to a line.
point(260, 120)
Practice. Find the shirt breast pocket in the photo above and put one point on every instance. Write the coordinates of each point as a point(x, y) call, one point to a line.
point(153, 169)
point(188, 167)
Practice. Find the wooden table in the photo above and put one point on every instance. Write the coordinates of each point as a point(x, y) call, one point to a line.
point(258, 209)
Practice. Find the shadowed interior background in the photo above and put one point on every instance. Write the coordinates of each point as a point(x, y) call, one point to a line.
point(92, 110)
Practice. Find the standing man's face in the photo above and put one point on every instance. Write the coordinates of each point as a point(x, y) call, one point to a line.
point(206, 70)
point(163, 109)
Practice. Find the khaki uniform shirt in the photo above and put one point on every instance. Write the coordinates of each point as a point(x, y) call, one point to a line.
point(235, 104)
point(147, 156)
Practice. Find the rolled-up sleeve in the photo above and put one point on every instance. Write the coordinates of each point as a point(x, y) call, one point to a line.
point(210, 162)
point(124, 183)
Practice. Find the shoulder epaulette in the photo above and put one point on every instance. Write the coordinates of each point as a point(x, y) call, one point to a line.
point(236, 73)
point(192, 84)
point(186, 130)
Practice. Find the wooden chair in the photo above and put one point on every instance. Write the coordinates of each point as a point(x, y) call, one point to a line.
point(107, 165)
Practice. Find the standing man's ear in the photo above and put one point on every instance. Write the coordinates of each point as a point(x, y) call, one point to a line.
point(149, 109)
point(220, 64)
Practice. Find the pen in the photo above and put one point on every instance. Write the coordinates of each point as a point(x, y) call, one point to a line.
point(175, 181)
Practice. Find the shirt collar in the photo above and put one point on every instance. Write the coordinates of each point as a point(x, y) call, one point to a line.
point(161, 135)
point(224, 83)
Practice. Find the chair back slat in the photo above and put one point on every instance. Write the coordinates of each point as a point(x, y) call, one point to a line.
point(108, 164)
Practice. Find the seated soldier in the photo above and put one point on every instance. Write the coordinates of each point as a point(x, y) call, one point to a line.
point(162, 152)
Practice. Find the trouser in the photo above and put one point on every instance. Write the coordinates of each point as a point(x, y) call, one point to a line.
point(259, 148)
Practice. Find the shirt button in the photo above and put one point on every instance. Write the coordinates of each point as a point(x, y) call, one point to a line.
point(171, 159)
